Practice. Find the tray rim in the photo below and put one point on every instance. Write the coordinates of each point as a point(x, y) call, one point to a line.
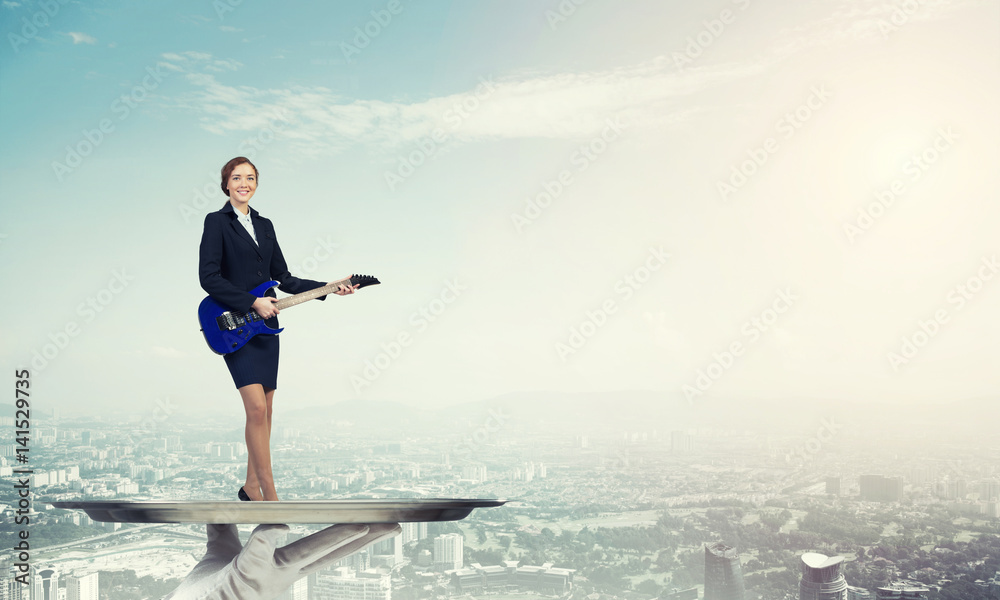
point(357, 510)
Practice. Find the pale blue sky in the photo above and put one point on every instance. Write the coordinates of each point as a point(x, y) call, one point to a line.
point(837, 97)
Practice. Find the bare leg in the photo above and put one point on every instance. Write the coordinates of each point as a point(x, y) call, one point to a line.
point(260, 482)
point(269, 398)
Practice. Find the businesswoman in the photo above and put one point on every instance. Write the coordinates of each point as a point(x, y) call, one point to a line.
point(238, 252)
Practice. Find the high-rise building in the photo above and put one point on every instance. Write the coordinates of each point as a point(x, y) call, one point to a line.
point(723, 575)
point(388, 552)
point(357, 562)
point(11, 588)
point(680, 443)
point(413, 532)
point(989, 490)
point(448, 549)
point(876, 488)
point(343, 584)
point(297, 591)
point(82, 588)
point(821, 578)
point(833, 486)
point(957, 489)
point(902, 590)
point(45, 585)
point(474, 472)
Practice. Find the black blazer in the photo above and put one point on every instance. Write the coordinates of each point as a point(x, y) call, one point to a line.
point(230, 264)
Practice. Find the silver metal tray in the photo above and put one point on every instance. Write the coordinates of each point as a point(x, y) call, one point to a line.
point(285, 511)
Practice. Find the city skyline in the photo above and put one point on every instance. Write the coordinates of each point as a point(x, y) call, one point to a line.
point(758, 498)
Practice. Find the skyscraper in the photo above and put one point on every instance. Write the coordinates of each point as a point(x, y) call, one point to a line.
point(723, 576)
point(448, 550)
point(680, 442)
point(821, 578)
point(45, 584)
point(413, 532)
point(83, 587)
point(876, 488)
point(11, 588)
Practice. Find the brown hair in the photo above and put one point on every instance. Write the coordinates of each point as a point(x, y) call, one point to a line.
point(228, 170)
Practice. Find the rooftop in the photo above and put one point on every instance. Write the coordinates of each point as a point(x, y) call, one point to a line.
point(816, 560)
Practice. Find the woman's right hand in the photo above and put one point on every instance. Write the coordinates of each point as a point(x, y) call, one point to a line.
point(265, 307)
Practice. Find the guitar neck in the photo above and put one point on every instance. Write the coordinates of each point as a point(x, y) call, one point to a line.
point(311, 294)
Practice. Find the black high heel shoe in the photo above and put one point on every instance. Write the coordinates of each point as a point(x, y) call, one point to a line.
point(243, 495)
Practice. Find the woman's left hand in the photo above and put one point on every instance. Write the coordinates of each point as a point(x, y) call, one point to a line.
point(345, 289)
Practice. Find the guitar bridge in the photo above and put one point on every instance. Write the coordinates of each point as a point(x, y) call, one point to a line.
point(229, 321)
point(226, 322)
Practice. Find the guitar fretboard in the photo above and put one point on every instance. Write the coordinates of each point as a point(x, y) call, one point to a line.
point(311, 294)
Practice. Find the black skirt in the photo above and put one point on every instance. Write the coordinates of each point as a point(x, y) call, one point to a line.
point(256, 362)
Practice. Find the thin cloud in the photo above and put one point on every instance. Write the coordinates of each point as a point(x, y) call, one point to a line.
point(81, 38)
point(317, 120)
point(866, 20)
point(575, 105)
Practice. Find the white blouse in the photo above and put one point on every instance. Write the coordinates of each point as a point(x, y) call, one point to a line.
point(247, 223)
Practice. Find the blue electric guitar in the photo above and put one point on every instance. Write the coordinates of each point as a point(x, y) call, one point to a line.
point(228, 330)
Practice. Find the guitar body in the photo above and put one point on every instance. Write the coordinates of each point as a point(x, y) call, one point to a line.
point(226, 330)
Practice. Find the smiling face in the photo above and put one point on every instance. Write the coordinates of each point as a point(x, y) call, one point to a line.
point(241, 186)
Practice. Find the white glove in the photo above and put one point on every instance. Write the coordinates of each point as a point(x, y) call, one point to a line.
point(262, 571)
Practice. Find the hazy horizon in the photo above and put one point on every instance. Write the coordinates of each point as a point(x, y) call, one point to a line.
point(730, 199)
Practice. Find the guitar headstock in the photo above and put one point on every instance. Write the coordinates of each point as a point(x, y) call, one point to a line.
point(363, 281)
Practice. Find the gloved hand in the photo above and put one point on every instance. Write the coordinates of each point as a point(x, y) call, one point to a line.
point(262, 571)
